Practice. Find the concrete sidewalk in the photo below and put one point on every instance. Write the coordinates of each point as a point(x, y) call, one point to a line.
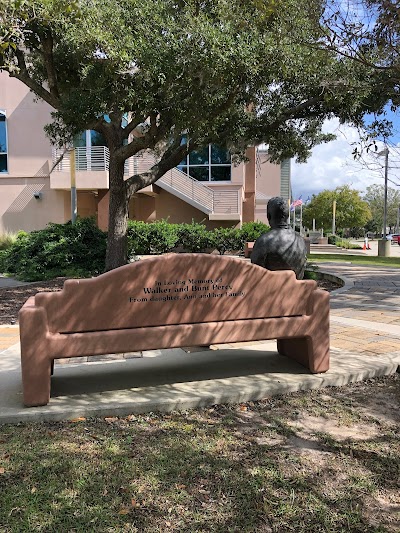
point(365, 342)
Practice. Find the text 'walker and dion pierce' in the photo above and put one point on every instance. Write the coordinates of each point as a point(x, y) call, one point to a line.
point(187, 289)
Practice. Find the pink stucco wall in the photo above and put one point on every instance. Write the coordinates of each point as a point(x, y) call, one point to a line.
point(29, 158)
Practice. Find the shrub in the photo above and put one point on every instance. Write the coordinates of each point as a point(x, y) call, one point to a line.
point(162, 237)
point(250, 231)
point(151, 238)
point(3, 260)
point(194, 237)
point(138, 242)
point(345, 243)
point(226, 239)
point(332, 239)
point(58, 250)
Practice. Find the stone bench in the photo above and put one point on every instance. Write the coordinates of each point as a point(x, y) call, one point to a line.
point(172, 301)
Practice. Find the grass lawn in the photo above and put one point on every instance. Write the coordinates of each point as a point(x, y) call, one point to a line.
point(316, 461)
point(356, 259)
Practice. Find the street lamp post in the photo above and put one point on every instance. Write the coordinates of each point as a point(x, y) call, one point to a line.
point(384, 244)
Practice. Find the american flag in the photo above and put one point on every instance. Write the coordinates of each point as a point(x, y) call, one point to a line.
point(296, 203)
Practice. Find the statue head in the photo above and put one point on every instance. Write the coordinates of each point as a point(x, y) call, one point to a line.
point(278, 212)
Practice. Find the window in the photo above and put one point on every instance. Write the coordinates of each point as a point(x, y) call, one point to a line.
point(90, 154)
point(3, 143)
point(88, 139)
point(211, 163)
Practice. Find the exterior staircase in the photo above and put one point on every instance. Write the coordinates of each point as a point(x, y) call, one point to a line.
point(216, 203)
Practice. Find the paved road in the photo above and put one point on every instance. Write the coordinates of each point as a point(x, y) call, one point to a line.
point(394, 248)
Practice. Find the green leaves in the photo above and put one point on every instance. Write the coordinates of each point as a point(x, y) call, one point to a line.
point(374, 196)
point(74, 250)
point(351, 210)
point(198, 65)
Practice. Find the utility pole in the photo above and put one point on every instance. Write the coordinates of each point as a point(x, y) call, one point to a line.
point(384, 244)
point(74, 209)
point(334, 217)
point(386, 192)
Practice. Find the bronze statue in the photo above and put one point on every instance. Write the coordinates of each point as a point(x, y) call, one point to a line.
point(281, 248)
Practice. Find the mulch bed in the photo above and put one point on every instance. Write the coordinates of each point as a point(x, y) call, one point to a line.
point(13, 298)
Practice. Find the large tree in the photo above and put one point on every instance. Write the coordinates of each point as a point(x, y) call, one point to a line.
point(351, 210)
point(212, 71)
point(374, 196)
point(368, 33)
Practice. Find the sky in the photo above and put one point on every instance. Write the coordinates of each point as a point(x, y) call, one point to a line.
point(332, 164)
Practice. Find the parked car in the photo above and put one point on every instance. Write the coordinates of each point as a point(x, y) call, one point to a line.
point(394, 237)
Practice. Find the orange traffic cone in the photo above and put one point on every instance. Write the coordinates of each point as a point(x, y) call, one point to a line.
point(364, 247)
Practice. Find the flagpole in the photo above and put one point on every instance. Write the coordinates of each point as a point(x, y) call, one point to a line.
point(301, 219)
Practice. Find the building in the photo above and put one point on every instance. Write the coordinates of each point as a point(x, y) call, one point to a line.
point(205, 187)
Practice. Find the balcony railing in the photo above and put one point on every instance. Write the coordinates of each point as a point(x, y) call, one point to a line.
point(96, 158)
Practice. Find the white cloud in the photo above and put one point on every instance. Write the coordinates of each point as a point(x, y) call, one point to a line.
point(332, 165)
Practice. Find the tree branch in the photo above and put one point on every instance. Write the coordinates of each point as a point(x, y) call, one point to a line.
point(48, 57)
point(23, 75)
point(134, 123)
point(168, 161)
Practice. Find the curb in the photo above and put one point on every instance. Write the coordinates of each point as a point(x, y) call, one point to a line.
point(200, 394)
point(346, 283)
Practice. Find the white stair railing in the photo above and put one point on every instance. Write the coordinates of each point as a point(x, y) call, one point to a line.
point(177, 183)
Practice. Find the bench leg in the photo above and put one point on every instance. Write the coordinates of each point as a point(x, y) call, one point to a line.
point(35, 361)
point(311, 350)
point(36, 382)
point(297, 349)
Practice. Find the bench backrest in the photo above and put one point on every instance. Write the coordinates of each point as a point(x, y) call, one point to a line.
point(175, 289)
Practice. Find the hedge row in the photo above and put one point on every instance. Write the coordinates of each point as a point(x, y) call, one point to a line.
point(78, 250)
point(160, 237)
point(342, 243)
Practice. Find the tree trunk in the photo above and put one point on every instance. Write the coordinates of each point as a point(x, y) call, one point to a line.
point(118, 216)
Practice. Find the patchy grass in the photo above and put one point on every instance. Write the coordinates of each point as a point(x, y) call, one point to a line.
point(356, 259)
point(317, 461)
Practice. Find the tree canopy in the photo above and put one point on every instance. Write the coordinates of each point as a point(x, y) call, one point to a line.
point(351, 210)
point(171, 76)
point(374, 196)
point(368, 33)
